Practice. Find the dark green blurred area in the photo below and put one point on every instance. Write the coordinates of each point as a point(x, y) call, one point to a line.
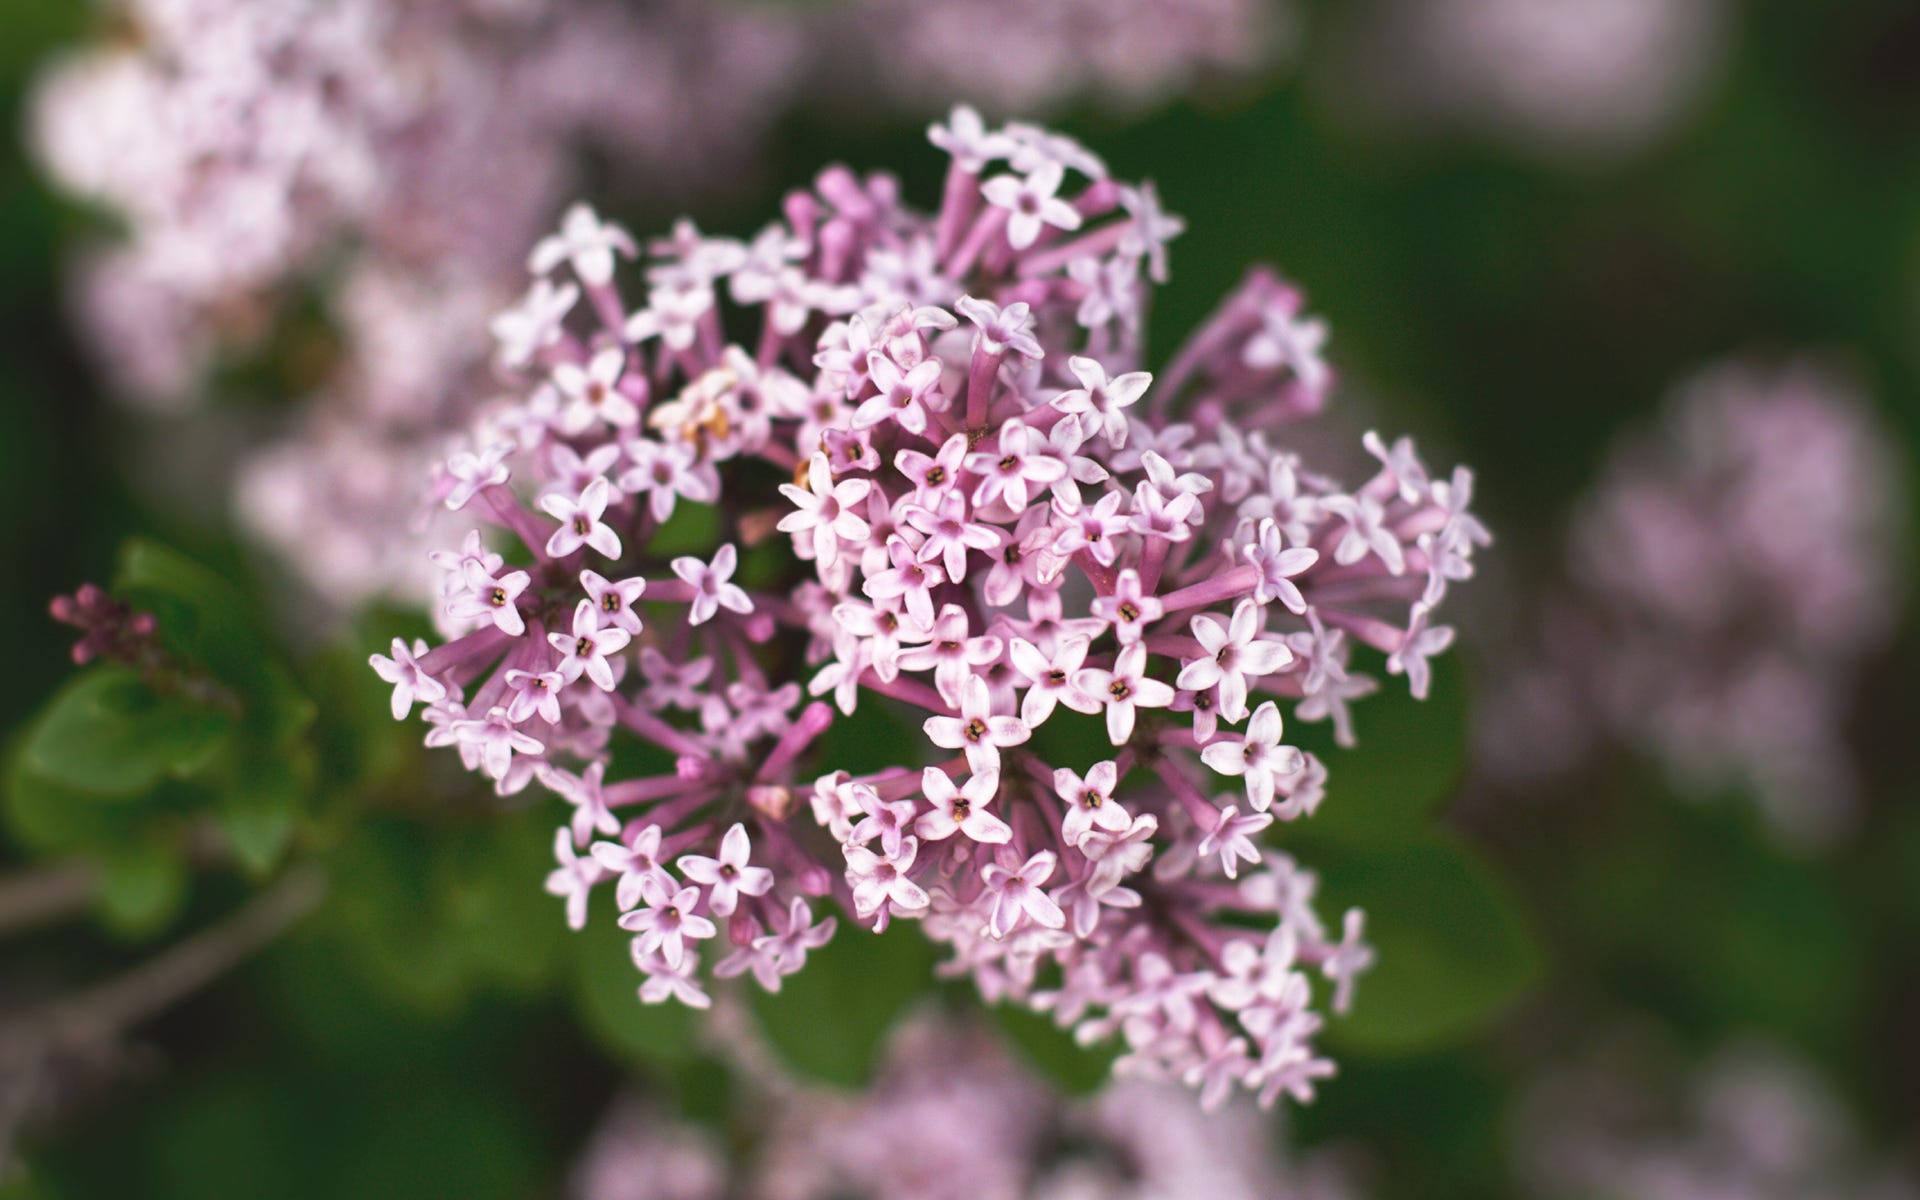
point(413, 1039)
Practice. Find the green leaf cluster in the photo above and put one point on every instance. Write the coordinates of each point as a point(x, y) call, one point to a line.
point(128, 771)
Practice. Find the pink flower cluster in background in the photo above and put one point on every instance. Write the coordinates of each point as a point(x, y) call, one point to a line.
point(247, 145)
point(1731, 571)
point(1581, 82)
point(1026, 58)
point(1752, 1121)
point(972, 1123)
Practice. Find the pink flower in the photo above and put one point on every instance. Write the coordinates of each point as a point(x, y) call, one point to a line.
point(910, 580)
point(573, 879)
point(1015, 466)
point(1128, 610)
point(1420, 643)
point(581, 522)
point(589, 800)
point(593, 393)
point(947, 531)
point(1277, 566)
point(1287, 342)
point(536, 323)
point(1124, 689)
point(826, 512)
point(585, 242)
point(968, 139)
point(410, 681)
point(1103, 401)
point(667, 923)
point(712, 590)
point(1258, 756)
point(1235, 653)
point(1366, 533)
point(614, 601)
point(1232, 838)
point(1050, 679)
point(977, 730)
point(727, 877)
point(962, 809)
point(585, 651)
point(1031, 202)
point(968, 527)
point(934, 474)
point(496, 740)
point(878, 881)
point(666, 472)
point(1090, 803)
point(952, 653)
point(900, 395)
point(491, 597)
point(1016, 893)
point(535, 694)
point(673, 314)
point(1001, 329)
point(635, 863)
point(1400, 465)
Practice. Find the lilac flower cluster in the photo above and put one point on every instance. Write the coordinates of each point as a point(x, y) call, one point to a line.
point(1752, 1121)
point(996, 520)
point(1731, 571)
point(976, 1125)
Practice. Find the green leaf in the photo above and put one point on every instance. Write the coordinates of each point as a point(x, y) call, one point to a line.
point(433, 913)
point(202, 617)
point(107, 732)
point(1408, 761)
point(207, 621)
point(497, 915)
point(1453, 948)
point(258, 809)
point(142, 887)
point(1052, 1052)
point(54, 817)
point(829, 1020)
point(381, 910)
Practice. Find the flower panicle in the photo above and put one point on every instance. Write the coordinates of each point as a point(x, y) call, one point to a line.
point(930, 475)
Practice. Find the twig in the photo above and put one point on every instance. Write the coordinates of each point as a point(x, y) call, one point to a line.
point(104, 1012)
point(42, 894)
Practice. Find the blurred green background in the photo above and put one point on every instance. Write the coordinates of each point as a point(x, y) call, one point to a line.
point(435, 1031)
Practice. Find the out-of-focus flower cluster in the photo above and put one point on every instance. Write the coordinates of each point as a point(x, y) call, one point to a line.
point(1752, 1121)
point(1574, 80)
point(244, 144)
point(999, 524)
point(1025, 58)
point(1732, 570)
point(951, 1118)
